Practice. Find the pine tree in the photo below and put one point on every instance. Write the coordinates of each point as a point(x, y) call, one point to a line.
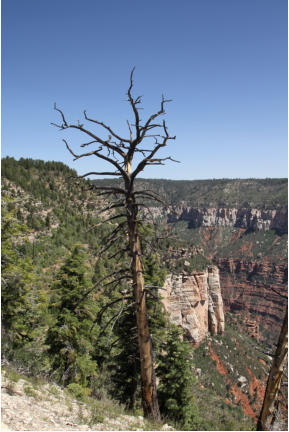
point(69, 338)
point(47, 221)
point(176, 382)
point(17, 279)
point(126, 364)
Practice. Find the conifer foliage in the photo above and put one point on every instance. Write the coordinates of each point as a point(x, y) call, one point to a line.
point(177, 381)
point(69, 337)
point(17, 277)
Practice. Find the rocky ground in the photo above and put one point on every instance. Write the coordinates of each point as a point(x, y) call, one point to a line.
point(29, 407)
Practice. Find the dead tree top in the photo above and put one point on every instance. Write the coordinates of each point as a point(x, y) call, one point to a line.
point(145, 139)
point(119, 151)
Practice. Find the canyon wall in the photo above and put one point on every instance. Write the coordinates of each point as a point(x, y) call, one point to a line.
point(252, 269)
point(256, 291)
point(195, 303)
point(248, 218)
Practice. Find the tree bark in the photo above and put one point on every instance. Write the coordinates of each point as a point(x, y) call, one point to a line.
point(266, 418)
point(148, 382)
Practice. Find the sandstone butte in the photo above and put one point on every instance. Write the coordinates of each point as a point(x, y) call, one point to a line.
point(194, 302)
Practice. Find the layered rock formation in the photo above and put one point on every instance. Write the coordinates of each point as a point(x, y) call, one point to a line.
point(248, 218)
point(251, 289)
point(252, 268)
point(241, 226)
point(195, 303)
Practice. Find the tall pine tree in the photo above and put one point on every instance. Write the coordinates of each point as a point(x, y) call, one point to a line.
point(69, 338)
point(17, 279)
point(176, 381)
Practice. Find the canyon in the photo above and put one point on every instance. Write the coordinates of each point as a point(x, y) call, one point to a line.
point(249, 247)
point(225, 254)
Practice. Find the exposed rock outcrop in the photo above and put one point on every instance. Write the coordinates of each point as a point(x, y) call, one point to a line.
point(194, 302)
point(215, 302)
point(252, 268)
point(48, 407)
point(248, 218)
point(251, 289)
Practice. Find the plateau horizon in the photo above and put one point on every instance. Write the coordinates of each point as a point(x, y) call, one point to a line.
point(81, 172)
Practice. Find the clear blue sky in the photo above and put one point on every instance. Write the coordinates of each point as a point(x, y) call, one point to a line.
point(223, 62)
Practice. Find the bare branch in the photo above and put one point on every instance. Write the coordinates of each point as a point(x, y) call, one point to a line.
point(101, 193)
point(107, 220)
point(111, 189)
point(107, 324)
point(107, 305)
point(97, 284)
point(150, 195)
point(86, 144)
point(133, 105)
point(120, 251)
point(62, 115)
point(153, 116)
point(99, 155)
point(100, 173)
point(106, 144)
point(145, 161)
point(107, 128)
point(119, 228)
point(111, 206)
point(161, 160)
point(80, 127)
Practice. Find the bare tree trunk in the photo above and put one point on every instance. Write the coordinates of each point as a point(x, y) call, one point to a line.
point(266, 418)
point(120, 152)
point(149, 392)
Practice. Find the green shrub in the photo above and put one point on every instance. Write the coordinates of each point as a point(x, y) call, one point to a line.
point(77, 391)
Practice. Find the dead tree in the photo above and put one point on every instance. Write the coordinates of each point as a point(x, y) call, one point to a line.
point(128, 157)
point(267, 416)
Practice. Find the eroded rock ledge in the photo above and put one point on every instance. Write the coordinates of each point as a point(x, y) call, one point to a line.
point(195, 303)
point(247, 218)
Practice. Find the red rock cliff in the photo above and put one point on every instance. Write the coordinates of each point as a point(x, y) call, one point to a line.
point(251, 289)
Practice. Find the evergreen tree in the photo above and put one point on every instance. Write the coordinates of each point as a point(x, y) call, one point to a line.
point(126, 364)
point(17, 279)
point(176, 382)
point(69, 337)
point(47, 221)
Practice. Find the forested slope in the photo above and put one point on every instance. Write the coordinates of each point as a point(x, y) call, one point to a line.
point(64, 317)
point(255, 193)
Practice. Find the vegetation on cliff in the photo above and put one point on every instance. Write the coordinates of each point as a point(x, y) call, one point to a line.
point(217, 193)
point(77, 339)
